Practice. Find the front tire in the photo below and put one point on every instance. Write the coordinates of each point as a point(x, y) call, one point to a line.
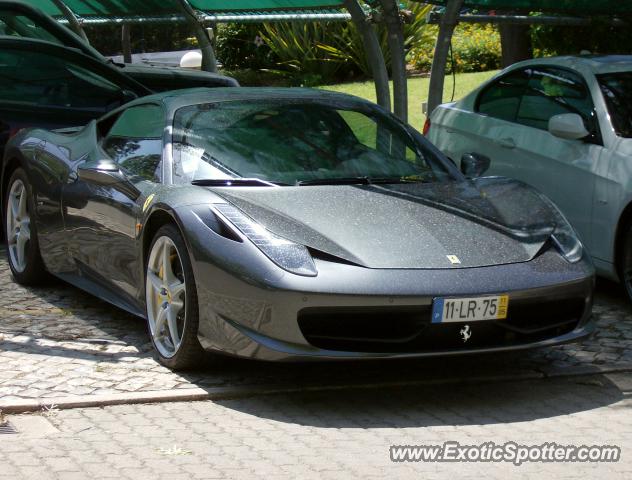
point(625, 267)
point(23, 250)
point(171, 298)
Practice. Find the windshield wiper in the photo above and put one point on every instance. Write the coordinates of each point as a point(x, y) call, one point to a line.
point(335, 181)
point(360, 181)
point(235, 182)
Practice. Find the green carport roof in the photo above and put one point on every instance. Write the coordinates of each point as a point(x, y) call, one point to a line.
point(261, 5)
point(139, 10)
point(577, 7)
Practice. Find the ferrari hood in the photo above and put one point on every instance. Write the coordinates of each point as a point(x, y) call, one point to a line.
point(484, 222)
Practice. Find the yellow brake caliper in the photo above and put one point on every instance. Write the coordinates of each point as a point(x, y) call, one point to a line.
point(160, 274)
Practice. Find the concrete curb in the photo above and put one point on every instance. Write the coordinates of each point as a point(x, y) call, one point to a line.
point(243, 391)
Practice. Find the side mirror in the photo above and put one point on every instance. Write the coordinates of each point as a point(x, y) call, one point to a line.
point(569, 126)
point(474, 165)
point(101, 172)
point(108, 174)
point(127, 96)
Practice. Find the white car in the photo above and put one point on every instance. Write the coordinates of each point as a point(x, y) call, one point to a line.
point(564, 126)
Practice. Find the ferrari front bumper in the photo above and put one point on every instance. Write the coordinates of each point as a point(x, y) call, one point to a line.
point(350, 312)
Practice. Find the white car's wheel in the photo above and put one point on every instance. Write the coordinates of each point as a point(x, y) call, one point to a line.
point(171, 298)
point(625, 267)
point(21, 232)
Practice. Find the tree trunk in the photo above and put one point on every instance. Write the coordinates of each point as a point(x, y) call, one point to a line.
point(516, 43)
point(398, 58)
point(374, 53)
point(449, 20)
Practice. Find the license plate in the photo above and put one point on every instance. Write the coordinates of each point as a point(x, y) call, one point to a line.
point(476, 309)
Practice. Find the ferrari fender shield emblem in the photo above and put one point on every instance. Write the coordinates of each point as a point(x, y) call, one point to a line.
point(454, 260)
point(466, 333)
point(148, 202)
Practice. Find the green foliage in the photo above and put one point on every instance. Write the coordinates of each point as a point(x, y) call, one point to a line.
point(599, 37)
point(347, 47)
point(476, 48)
point(296, 46)
point(329, 51)
point(238, 48)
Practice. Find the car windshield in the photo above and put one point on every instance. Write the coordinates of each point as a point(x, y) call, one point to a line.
point(617, 92)
point(298, 143)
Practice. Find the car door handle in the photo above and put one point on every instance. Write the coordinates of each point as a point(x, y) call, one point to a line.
point(507, 142)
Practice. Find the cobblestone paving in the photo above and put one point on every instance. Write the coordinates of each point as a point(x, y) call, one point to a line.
point(323, 435)
point(58, 341)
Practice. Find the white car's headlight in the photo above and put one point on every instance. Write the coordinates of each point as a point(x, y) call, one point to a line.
point(286, 254)
point(564, 236)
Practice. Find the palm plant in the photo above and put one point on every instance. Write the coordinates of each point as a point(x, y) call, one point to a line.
point(332, 50)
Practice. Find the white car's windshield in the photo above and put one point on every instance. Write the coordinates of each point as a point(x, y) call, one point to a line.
point(297, 142)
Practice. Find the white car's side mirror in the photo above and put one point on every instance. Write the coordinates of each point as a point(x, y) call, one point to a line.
point(569, 126)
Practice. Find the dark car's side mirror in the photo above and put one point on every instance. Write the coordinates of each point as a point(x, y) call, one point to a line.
point(474, 165)
point(127, 96)
point(108, 174)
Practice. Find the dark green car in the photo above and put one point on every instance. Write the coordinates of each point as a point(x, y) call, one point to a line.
point(18, 19)
point(51, 78)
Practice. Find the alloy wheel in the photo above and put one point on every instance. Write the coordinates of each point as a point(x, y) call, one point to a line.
point(166, 296)
point(18, 225)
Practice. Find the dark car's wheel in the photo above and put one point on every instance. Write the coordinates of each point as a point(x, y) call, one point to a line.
point(23, 251)
point(172, 306)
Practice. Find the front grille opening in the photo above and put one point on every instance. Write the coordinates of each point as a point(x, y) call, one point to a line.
point(409, 329)
point(379, 324)
point(545, 315)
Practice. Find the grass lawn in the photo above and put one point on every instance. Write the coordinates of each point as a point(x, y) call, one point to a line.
point(417, 91)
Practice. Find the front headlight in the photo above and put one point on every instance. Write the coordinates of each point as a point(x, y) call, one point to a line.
point(564, 236)
point(286, 254)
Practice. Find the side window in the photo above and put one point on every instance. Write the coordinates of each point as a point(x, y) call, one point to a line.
point(552, 91)
point(45, 80)
point(502, 98)
point(135, 141)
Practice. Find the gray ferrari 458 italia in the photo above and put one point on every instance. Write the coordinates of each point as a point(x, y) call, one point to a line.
point(286, 224)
